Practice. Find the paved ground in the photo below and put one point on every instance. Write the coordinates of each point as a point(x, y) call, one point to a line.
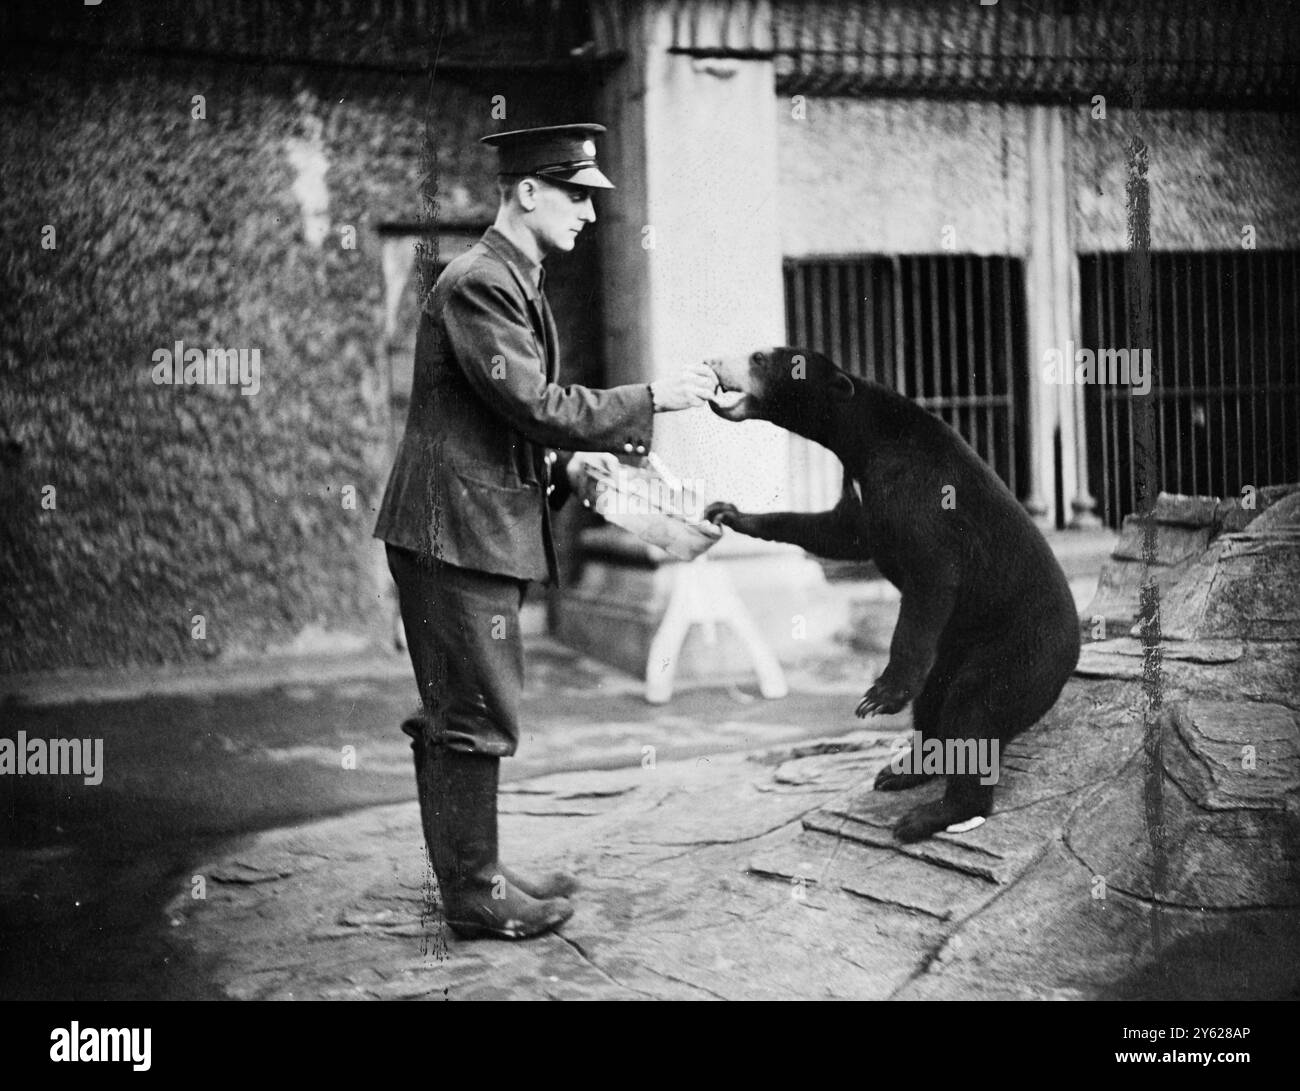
point(728, 846)
point(195, 761)
point(766, 875)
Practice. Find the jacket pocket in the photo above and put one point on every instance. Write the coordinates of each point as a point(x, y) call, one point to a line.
point(495, 512)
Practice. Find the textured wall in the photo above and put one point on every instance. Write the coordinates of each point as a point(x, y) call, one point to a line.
point(886, 176)
point(1210, 174)
point(223, 232)
point(173, 501)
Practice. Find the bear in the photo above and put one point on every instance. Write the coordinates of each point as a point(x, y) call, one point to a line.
point(987, 633)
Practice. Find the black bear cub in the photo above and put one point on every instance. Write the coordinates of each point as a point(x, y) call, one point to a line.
point(987, 633)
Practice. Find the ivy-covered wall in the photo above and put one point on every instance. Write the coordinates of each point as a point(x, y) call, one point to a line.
point(134, 216)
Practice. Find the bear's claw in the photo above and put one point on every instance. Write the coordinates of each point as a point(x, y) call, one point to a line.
point(881, 700)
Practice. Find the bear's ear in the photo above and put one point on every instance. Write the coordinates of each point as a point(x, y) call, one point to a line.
point(841, 388)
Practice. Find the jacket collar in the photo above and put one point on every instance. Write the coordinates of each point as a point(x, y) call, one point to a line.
point(529, 273)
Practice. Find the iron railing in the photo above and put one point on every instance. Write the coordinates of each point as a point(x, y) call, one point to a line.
point(1244, 53)
point(1225, 358)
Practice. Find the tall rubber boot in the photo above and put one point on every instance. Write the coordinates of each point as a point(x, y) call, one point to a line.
point(551, 884)
point(461, 831)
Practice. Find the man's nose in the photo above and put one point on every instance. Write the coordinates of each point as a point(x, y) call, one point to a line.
point(588, 213)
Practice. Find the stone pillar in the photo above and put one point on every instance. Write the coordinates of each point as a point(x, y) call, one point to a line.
point(1069, 310)
point(691, 267)
point(1052, 287)
point(1040, 303)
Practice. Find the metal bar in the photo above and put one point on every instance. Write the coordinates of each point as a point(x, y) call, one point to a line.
point(1221, 401)
point(1116, 281)
point(1157, 360)
point(898, 328)
point(935, 364)
point(986, 268)
point(1098, 312)
point(795, 306)
point(971, 401)
point(1236, 359)
point(860, 321)
point(1291, 469)
point(880, 273)
point(914, 364)
point(1251, 258)
point(1254, 380)
point(1008, 370)
point(1205, 347)
point(832, 346)
point(1129, 399)
point(1178, 419)
point(1191, 393)
point(970, 374)
point(1191, 374)
point(954, 357)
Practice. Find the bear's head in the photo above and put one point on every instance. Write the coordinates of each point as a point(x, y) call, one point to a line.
point(791, 387)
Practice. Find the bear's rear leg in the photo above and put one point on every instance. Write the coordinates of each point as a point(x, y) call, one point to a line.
point(965, 798)
point(900, 775)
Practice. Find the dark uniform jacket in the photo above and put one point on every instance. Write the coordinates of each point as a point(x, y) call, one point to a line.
point(469, 485)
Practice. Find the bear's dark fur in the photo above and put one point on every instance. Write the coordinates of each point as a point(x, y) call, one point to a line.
point(987, 633)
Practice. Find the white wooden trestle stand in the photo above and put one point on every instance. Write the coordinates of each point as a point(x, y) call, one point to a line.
point(704, 594)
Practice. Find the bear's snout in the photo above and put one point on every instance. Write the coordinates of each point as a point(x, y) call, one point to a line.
point(732, 373)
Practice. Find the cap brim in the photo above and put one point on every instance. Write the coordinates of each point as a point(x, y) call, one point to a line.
point(590, 177)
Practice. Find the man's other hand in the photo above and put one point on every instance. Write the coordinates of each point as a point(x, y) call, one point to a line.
point(599, 460)
point(691, 386)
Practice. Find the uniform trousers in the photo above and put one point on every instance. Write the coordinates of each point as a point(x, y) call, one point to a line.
point(462, 632)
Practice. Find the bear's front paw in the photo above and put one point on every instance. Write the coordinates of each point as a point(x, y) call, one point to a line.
point(721, 514)
point(882, 699)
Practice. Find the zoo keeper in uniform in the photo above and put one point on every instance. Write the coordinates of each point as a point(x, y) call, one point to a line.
point(466, 515)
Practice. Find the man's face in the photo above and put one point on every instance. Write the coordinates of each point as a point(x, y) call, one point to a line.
point(559, 213)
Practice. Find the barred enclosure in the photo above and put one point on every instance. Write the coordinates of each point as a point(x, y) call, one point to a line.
point(947, 331)
point(1226, 380)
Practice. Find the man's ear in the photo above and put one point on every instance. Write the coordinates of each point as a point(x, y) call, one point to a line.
point(527, 192)
point(842, 388)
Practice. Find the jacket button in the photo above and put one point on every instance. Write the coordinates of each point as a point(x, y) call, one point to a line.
point(640, 448)
point(627, 447)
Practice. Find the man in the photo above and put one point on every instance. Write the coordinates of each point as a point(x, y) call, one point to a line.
point(466, 516)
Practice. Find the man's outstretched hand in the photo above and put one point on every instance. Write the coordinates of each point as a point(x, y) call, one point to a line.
point(692, 386)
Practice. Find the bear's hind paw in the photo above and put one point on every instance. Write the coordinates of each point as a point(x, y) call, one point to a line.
point(889, 781)
point(929, 818)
